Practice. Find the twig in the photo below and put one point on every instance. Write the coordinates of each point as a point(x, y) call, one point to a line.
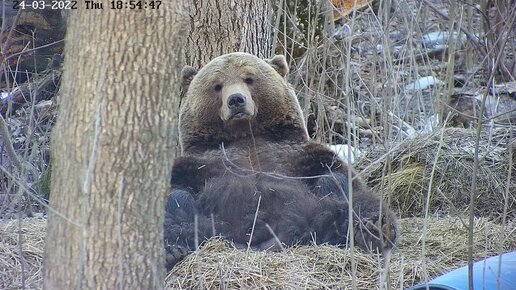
point(254, 223)
point(427, 205)
point(473, 191)
point(275, 237)
point(33, 49)
point(4, 132)
point(34, 195)
point(471, 37)
point(11, 30)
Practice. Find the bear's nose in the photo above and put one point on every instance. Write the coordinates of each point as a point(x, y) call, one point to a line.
point(236, 101)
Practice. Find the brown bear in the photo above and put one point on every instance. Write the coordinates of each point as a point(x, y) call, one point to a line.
point(249, 173)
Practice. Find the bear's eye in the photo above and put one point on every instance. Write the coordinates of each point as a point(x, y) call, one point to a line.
point(217, 88)
point(248, 81)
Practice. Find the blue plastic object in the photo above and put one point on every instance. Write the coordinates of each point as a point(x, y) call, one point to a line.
point(494, 273)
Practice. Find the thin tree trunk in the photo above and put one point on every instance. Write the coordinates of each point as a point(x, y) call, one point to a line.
point(113, 147)
point(223, 26)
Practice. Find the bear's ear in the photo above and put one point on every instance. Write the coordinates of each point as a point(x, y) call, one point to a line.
point(279, 63)
point(187, 75)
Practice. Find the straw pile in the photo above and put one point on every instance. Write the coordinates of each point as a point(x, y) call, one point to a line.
point(217, 265)
point(21, 253)
point(405, 181)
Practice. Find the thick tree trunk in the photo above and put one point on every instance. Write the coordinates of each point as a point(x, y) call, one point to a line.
point(113, 147)
point(223, 26)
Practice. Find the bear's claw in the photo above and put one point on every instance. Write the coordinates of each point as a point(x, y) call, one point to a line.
point(174, 255)
point(369, 237)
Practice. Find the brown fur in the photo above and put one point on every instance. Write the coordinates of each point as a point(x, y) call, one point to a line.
point(462, 110)
point(251, 167)
point(276, 110)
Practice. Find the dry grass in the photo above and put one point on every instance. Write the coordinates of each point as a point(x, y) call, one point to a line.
point(21, 263)
point(218, 265)
point(411, 163)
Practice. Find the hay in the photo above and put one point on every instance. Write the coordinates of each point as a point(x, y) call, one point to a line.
point(20, 264)
point(218, 264)
point(411, 162)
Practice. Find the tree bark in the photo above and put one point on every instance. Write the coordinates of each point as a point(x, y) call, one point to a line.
point(112, 148)
point(222, 26)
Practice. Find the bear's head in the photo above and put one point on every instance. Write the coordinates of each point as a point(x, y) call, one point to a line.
point(238, 96)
